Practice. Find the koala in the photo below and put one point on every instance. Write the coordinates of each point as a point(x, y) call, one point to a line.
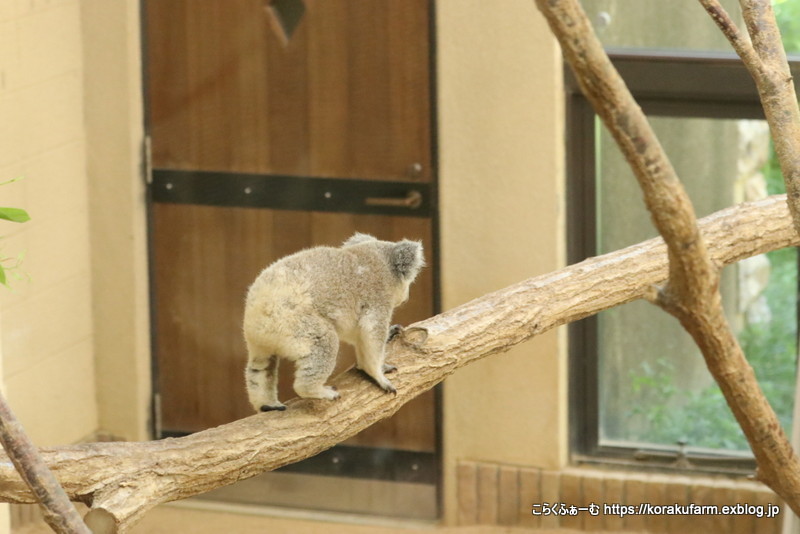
point(299, 308)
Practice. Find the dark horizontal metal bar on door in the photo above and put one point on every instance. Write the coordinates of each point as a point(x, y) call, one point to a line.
point(377, 197)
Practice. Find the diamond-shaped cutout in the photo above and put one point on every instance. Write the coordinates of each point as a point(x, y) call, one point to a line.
point(285, 16)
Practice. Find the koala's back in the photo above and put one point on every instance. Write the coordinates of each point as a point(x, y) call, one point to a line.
point(328, 284)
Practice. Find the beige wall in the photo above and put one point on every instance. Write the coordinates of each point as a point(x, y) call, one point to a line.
point(47, 331)
point(501, 172)
point(114, 141)
point(71, 122)
point(5, 516)
point(71, 125)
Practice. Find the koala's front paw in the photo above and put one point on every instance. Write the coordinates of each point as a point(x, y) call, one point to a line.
point(279, 408)
point(381, 380)
point(387, 368)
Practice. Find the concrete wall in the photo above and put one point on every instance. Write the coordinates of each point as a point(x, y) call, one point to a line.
point(500, 103)
point(47, 330)
point(71, 125)
point(118, 238)
point(5, 509)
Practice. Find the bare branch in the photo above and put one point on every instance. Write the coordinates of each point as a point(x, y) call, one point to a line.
point(763, 29)
point(692, 292)
point(669, 205)
point(741, 43)
point(769, 68)
point(57, 510)
point(121, 481)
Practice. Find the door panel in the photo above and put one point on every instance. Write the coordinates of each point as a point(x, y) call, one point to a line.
point(348, 97)
point(205, 259)
point(260, 148)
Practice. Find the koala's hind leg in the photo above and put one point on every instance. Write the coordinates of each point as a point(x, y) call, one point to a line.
point(316, 364)
point(261, 376)
point(371, 352)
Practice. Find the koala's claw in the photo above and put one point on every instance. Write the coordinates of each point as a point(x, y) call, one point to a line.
point(278, 408)
point(387, 368)
point(388, 387)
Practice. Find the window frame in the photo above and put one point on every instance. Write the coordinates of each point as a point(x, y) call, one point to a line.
point(665, 83)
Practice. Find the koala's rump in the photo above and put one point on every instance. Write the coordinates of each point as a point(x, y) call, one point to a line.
point(299, 297)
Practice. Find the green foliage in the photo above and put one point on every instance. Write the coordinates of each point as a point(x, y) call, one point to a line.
point(787, 12)
point(15, 215)
point(664, 412)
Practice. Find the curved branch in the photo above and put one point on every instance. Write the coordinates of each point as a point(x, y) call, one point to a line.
point(670, 208)
point(58, 512)
point(692, 291)
point(765, 59)
point(741, 44)
point(121, 481)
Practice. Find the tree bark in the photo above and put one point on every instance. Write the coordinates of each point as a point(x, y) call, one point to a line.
point(691, 293)
point(765, 59)
point(121, 481)
point(58, 512)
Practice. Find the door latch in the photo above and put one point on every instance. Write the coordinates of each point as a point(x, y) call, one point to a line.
point(412, 200)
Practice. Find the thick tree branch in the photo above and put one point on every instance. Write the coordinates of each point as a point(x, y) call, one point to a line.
point(57, 510)
point(121, 481)
point(765, 59)
point(669, 205)
point(692, 291)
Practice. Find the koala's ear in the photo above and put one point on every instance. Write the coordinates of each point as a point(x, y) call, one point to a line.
point(406, 259)
point(357, 238)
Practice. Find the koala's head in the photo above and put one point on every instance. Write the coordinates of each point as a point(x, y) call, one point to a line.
point(358, 238)
point(405, 257)
point(406, 260)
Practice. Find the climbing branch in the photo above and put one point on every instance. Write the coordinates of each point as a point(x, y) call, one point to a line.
point(765, 58)
point(740, 42)
point(122, 481)
point(691, 292)
point(670, 208)
point(58, 512)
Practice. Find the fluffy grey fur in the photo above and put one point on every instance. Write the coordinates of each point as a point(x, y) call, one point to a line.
point(302, 305)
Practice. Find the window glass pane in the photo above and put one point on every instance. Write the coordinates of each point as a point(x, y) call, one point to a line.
point(654, 386)
point(678, 24)
point(656, 24)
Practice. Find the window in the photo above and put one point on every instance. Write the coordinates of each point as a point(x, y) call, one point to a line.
point(640, 391)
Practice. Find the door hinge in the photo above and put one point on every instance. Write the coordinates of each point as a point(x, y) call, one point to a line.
point(147, 160)
point(157, 424)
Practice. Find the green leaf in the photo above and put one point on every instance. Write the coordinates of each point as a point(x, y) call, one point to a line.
point(14, 215)
point(11, 181)
point(3, 276)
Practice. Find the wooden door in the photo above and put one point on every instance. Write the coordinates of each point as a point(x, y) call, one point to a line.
point(261, 147)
